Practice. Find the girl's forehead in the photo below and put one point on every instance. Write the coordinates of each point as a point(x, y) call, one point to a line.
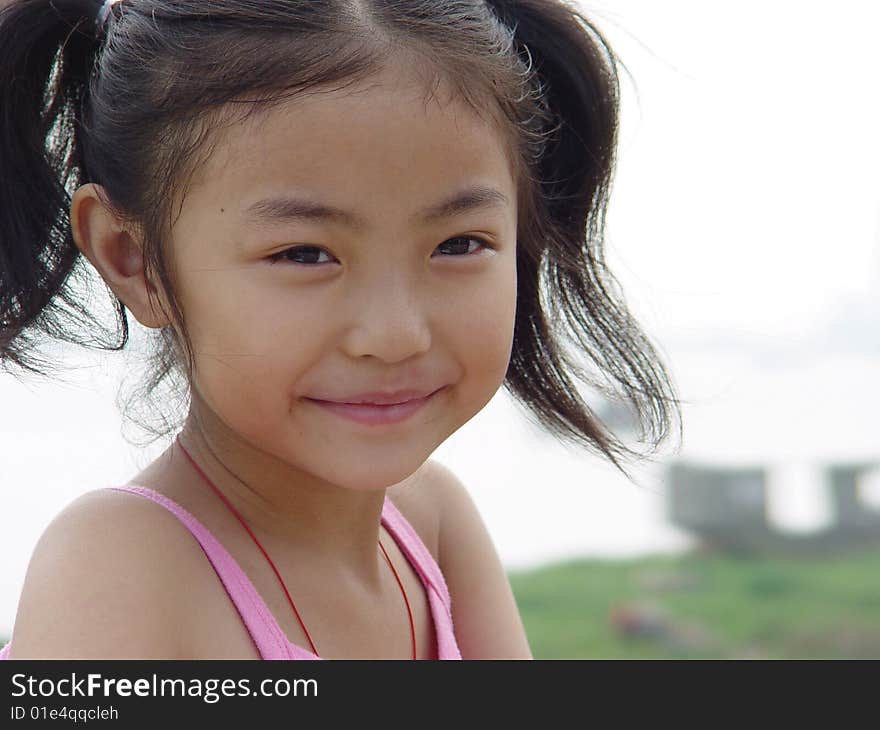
point(381, 133)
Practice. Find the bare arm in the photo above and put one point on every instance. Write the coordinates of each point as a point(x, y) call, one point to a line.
point(100, 584)
point(486, 619)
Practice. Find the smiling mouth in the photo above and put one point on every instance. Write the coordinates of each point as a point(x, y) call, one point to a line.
point(376, 414)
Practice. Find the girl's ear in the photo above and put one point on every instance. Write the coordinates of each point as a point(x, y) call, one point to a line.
point(116, 254)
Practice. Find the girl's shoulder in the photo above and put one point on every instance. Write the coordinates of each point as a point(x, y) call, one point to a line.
point(105, 580)
point(419, 498)
point(485, 613)
point(110, 574)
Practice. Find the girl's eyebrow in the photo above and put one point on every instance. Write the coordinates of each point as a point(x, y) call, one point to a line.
point(286, 209)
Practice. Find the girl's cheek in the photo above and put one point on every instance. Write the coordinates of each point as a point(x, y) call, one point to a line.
point(492, 317)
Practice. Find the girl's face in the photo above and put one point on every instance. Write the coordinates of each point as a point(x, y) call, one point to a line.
point(286, 303)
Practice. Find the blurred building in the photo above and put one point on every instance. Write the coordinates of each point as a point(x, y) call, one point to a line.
point(726, 508)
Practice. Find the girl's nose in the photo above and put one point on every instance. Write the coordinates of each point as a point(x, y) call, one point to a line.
point(389, 321)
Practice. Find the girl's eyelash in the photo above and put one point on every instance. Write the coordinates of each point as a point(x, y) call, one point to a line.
point(281, 256)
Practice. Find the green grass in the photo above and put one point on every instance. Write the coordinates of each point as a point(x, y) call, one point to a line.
point(705, 606)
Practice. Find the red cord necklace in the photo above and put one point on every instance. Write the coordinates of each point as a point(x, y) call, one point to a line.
point(275, 570)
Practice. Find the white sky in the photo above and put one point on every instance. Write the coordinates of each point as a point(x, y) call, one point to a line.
point(747, 194)
point(744, 229)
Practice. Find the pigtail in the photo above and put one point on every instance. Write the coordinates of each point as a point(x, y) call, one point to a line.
point(580, 303)
point(47, 52)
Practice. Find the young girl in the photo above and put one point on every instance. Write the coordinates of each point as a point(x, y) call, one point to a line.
point(347, 223)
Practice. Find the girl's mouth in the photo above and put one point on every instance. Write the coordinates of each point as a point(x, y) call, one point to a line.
point(376, 415)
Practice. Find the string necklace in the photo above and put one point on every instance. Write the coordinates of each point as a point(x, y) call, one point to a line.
point(275, 570)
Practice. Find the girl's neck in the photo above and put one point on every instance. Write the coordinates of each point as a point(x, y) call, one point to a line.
point(336, 530)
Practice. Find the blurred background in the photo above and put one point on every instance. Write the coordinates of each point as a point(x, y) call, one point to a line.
point(744, 229)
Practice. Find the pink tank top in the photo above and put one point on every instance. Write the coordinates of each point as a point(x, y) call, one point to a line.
point(265, 631)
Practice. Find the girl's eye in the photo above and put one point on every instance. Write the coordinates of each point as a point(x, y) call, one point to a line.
point(310, 255)
point(292, 255)
point(459, 240)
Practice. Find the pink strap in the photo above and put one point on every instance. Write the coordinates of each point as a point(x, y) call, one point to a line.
point(419, 556)
point(268, 637)
point(415, 550)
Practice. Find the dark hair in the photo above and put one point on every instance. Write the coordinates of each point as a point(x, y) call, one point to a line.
point(136, 106)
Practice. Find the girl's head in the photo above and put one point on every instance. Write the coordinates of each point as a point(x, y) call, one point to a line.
point(188, 146)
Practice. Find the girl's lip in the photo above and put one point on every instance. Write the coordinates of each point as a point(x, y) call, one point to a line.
point(376, 415)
